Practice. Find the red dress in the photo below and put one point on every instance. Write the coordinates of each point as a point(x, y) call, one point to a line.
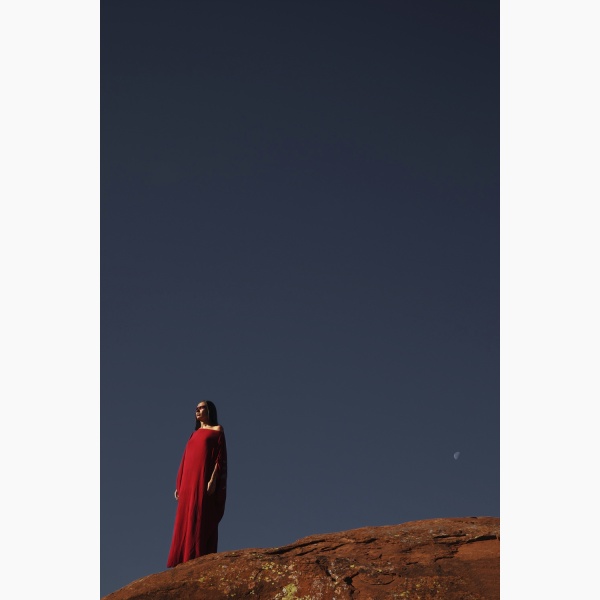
point(198, 514)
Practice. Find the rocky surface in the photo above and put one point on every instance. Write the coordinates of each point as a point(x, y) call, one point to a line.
point(445, 559)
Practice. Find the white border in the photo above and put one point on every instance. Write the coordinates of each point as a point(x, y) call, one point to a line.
point(549, 297)
point(49, 253)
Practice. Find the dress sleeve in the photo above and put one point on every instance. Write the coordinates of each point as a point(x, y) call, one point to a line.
point(180, 472)
point(221, 474)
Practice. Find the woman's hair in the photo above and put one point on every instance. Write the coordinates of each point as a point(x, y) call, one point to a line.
point(212, 414)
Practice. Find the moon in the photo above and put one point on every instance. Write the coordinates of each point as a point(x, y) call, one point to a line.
point(456, 455)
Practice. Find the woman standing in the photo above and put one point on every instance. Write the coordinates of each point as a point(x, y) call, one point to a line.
point(201, 489)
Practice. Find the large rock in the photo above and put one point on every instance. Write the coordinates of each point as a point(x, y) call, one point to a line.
point(445, 559)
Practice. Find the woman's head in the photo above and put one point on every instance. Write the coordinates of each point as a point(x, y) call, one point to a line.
point(206, 412)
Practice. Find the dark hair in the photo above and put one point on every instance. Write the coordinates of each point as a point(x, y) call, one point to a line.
point(212, 414)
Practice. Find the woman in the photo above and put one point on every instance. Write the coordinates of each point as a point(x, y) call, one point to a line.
point(201, 489)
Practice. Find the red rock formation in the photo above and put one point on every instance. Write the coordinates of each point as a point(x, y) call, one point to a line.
point(445, 559)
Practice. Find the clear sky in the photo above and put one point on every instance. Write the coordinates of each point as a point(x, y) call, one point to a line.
point(300, 222)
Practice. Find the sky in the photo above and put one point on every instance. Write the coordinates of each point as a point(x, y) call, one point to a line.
point(300, 221)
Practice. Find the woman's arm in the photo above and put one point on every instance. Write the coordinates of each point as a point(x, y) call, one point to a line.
point(220, 464)
point(180, 474)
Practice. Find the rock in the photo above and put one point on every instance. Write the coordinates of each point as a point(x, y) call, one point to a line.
point(445, 559)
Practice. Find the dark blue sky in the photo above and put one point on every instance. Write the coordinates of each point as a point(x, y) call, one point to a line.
point(300, 222)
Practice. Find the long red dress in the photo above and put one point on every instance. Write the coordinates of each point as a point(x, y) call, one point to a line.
point(198, 514)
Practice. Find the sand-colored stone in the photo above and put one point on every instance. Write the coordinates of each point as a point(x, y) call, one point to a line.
point(445, 559)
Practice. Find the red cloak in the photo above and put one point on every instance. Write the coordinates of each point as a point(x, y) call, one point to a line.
point(198, 514)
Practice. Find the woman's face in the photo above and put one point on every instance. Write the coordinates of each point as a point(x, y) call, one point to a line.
point(202, 412)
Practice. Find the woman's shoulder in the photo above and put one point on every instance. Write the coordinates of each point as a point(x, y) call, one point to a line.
point(215, 427)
